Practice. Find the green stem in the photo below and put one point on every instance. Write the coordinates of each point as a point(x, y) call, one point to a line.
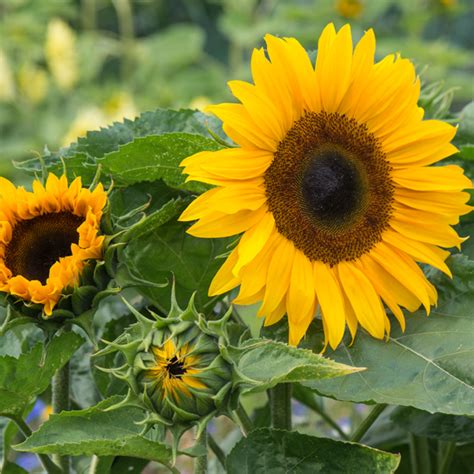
point(448, 454)
point(280, 406)
point(312, 404)
point(244, 420)
point(60, 402)
point(89, 15)
point(368, 422)
point(101, 465)
point(216, 449)
point(200, 463)
point(48, 465)
point(420, 455)
point(125, 20)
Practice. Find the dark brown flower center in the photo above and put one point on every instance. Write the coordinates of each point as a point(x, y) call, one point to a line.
point(329, 187)
point(38, 243)
point(175, 367)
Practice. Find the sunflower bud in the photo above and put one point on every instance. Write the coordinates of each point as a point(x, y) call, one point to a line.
point(175, 368)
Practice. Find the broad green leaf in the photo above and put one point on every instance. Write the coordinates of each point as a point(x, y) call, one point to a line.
point(157, 157)
point(81, 157)
point(429, 367)
point(22, 378)
point(95, 431)
point(280, 452)
point(437, 425)
point(262, 364)
point(157, 256)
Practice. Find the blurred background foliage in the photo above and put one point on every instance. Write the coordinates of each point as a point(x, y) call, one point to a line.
point(67, 66)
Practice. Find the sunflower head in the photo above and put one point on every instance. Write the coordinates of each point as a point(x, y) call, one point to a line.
point(330, 187)
point(174, 366)
point(349, 8)
point(51, 246)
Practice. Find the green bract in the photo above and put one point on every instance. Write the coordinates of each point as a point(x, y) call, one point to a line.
point(180, 370)
point(176, 367)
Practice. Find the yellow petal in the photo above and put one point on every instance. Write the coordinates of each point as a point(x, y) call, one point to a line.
point(237, 117)
point(331, 300)
point(408, 274)
point(432, 178)
point(278, 278)
point(254, 239)
point(333, 66)
point(364, 300)
point(421, 252)
point(300, 296)
point(225, 280)
point(219, 224)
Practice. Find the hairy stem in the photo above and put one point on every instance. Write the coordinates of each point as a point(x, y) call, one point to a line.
point(47, 463)
point(216, 449)
point(447, 457)
point(60, 402)
point(243, 420)
point(101, 465)
point(368, 422)
point(420, 455)
point(200, 463)
point(280, 406)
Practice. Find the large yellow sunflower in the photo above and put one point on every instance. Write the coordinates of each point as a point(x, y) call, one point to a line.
point(46, 236)
point(331, 188)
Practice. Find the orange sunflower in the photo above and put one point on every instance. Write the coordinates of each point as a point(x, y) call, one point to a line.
point(46, 236)
point(331, 188)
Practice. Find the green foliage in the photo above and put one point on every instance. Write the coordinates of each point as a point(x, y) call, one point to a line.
point(22, 378)
point(280, 452)
point(171, 136)
point(435, 353)
point(156, 157)
point(96, 431)
point(262, 364)
point(437, 425)
point(158, 256)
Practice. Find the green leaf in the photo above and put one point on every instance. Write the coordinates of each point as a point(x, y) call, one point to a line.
point(157, 157)
point(430, 366)
point(95, 431)
point(30, 374)
point(156, 219)
point(12, 468)
point(81, 157)
point(157, 256)
point(437, 425)
point(281, 452)
point(262, 364)
point(467, 151)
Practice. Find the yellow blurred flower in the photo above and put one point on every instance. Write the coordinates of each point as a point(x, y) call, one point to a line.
point(119, 106)
point(199, 103)
point(88, 118)
point(33, 83)
point(7, 87)
point(448, 3)
point(60, 49)
point(116, 108)
point(349, 8)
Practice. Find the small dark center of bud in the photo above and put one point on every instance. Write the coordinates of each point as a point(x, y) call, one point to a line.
point(175, 367)
point(40, 242)
point(332, 187)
